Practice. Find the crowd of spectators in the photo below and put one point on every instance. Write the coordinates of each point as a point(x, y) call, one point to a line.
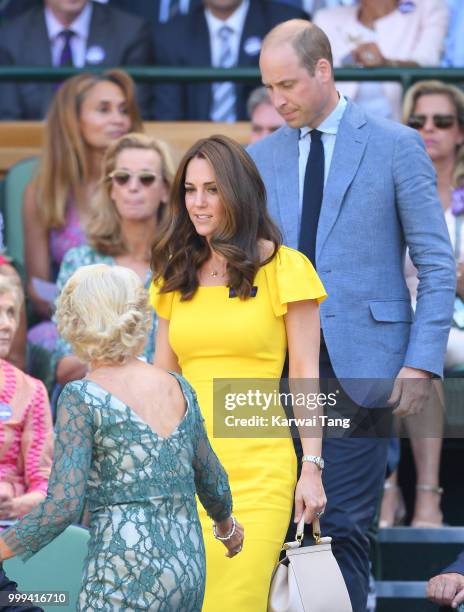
point(219, 34)
point(74, 213)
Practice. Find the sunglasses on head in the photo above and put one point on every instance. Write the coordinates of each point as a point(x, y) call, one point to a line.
point(122, 177)
point(441, 122)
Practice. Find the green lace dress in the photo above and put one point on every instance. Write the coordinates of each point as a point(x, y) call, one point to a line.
point(146, 548)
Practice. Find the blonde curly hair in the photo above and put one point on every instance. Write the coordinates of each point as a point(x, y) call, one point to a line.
point(103, 313)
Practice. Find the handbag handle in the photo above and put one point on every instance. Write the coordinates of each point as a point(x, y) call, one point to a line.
point(316, 530)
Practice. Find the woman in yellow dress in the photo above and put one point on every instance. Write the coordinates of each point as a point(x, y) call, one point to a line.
point(230, 301)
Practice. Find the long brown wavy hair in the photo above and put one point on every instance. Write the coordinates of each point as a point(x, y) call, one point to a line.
point(179, 252)
point(64, 167)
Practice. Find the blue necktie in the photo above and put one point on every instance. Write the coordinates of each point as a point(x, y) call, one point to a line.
point(313, 191)
point(66, 57)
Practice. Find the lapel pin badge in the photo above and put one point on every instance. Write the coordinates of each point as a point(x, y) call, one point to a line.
point(95, 55)
point(252, 45)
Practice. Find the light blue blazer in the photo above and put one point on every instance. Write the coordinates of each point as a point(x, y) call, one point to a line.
point(380, 197)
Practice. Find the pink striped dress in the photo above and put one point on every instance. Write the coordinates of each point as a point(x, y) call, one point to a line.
point(26, 432)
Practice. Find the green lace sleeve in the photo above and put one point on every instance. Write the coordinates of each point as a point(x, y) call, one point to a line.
point(68, 481)
point(211, 480)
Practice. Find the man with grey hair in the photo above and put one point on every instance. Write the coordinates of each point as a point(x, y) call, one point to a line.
point(263, 116)
point(352, 192)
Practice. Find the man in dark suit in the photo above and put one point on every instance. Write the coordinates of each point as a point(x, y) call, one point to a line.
point(193, 40)
point(447, 589)
point(101, 35)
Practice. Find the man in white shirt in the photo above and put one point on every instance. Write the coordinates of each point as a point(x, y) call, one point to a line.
point(68, 33)
point(221, 33)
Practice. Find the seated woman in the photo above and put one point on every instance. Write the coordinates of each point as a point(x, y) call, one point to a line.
point(26, 431)
point(17, 354)
point(88, 112)
point(436, 111)
point(373, 33)
point(131, 444)
point(123, 222)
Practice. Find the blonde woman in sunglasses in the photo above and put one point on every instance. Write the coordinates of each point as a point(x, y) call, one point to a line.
point(436, 111)
point(124, 218)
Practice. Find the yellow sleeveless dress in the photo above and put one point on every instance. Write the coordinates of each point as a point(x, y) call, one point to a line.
point(218, 336)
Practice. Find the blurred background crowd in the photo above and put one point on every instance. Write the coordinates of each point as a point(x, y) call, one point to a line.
point(61, 210)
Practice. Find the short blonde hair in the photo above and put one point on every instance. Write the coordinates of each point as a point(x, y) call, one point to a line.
point(10, 284)
point(103, 227)
point(103, 313)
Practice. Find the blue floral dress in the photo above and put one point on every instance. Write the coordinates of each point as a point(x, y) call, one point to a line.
point(146, 548)
point(85, 256)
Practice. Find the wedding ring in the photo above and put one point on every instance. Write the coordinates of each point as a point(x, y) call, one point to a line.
point(237, 550)
point(319, 514)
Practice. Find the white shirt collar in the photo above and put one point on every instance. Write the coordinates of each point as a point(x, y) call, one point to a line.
point(81, 25)
point(235, 22)
point(330, 123)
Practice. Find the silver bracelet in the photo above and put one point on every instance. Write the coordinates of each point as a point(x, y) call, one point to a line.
point(229, 535)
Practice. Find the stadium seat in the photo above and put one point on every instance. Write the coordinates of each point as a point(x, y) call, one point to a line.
point(15, 182)
point(55, 568)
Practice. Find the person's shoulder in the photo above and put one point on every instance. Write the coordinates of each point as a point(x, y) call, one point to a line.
point(26, 381)
point(20, 23)
point(80, 255)
point(388, 128)
point(269, 143)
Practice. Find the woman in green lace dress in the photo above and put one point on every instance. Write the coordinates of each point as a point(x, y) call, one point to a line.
point(131, 445)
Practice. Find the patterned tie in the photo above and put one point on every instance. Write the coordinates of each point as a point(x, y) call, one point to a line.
point(223, 108)
point(312, 197)
point(66, 57)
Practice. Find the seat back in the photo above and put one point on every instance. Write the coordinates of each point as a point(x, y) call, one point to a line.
point(55, 568)
point(15, 183)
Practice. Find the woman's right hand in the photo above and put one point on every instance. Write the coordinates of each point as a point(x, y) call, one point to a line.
point(235, 544)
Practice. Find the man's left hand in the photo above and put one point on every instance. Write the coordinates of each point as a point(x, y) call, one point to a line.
point(446, 589)
point(408, 397)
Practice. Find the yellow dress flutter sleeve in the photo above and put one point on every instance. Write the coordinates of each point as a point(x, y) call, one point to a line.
point(161, 302)
point(291, 277)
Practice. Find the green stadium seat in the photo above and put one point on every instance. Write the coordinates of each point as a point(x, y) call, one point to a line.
point(55, 568)
point(15, 182)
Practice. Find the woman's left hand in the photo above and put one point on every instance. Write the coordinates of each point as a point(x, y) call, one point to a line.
point(309, 493)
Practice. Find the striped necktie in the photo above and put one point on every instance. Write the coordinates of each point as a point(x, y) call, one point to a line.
point(223, 108)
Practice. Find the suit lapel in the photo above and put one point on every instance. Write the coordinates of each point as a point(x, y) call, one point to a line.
point(38, 47)
point(349, 148)
point(253, 30)
point(286, 173)
point(199, 54)
point(98, 32)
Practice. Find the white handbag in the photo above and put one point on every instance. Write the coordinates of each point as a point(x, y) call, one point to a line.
point(308, 579)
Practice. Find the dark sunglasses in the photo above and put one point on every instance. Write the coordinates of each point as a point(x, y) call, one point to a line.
point(441, 122)
point(122, 177)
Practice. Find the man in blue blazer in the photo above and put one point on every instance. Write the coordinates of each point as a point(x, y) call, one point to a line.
point(379, 197)
point(447, 589)
point(186, 41)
